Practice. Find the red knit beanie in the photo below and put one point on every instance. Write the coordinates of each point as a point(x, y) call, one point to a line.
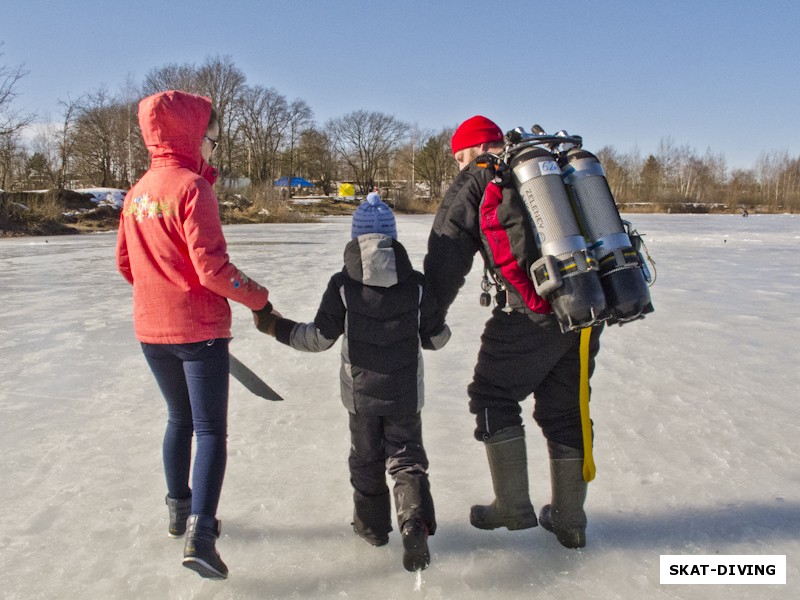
point(474, 132)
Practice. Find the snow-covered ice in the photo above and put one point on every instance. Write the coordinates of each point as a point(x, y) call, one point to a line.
point(695, 409)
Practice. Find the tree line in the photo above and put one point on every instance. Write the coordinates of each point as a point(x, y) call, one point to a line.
point(677, 176)
point(265, 135)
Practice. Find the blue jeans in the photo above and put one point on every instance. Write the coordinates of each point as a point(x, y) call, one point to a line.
point(194, 381)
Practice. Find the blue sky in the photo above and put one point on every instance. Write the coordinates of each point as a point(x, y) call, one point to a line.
point(710, 75)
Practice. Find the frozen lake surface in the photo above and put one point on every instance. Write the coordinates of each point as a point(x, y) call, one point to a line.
point(695, 409)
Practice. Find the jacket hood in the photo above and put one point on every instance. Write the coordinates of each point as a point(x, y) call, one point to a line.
point(173, 124)
point(377, 260)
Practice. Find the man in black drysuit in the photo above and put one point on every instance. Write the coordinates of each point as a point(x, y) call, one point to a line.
point(522, 352)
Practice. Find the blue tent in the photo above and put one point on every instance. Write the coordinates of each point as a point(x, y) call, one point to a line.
point(296, 182)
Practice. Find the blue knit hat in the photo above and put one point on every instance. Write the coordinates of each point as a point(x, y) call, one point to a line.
point(373, 216)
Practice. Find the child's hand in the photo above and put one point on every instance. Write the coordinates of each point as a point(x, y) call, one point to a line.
point(266, 318)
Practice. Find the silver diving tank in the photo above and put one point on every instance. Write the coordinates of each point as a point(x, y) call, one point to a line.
point(566, 274)
point(621, 266)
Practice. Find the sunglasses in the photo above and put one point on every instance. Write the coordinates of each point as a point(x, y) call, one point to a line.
point(214, 143)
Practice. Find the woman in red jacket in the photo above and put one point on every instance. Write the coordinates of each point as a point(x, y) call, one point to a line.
point(171, 249)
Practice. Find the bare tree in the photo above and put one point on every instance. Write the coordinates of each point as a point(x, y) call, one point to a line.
point(617, 176)
point(222, 81)
point(779, 179)
point(45, 144)
point(365, 141)
point(136, 157)
point(742, 188)
point(101, 149)
point(317, 160)
point(631, 164)
point(672, 183)
point(12, 160)
point(711, 178)
point(434, 163)
point(66, 138)
point(300, 118)
point(405, 161)
point(792, 176)
point(12, 121)
point(264, 117)
point(171, 76)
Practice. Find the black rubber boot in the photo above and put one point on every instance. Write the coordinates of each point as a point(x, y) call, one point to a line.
point(200, 553)
point(179, 511)
point(564, 516)
point(508, 463)
point(416, 556)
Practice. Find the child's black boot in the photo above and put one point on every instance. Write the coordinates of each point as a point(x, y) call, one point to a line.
point(416, 556)
point(372, 520)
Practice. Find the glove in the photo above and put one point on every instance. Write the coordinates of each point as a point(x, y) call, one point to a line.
point(496, 166)
point(266, 318)
point(502, 176)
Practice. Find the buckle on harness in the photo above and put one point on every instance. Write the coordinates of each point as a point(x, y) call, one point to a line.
point(546, 275)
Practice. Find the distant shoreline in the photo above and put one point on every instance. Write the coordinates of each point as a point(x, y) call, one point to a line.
point(105, 225)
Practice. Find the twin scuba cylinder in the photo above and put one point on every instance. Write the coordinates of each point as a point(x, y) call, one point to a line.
point(588, 270)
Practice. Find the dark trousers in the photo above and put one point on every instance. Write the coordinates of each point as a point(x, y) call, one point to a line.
point(393, 445)
point(194, 381)
point(519, 357)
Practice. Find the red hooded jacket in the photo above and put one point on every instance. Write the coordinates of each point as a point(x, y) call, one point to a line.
point(170, 245)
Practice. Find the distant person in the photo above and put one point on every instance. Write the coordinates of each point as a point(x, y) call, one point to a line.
point(171, 248)
point(385, 312)
point(745, 213)
point(522, 352)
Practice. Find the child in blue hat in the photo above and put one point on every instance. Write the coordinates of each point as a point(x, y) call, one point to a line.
point(386, 313)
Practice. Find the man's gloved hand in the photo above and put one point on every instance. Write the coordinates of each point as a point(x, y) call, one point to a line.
point(496, 166)
point(266, 318)
point(502, 176)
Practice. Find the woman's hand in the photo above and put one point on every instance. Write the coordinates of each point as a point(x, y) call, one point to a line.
point(266, 318)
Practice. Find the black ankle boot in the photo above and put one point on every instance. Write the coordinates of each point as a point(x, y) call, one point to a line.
point(179, 511)
point(200, 553)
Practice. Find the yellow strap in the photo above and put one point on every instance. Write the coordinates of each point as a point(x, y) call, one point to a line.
point(586, 423)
